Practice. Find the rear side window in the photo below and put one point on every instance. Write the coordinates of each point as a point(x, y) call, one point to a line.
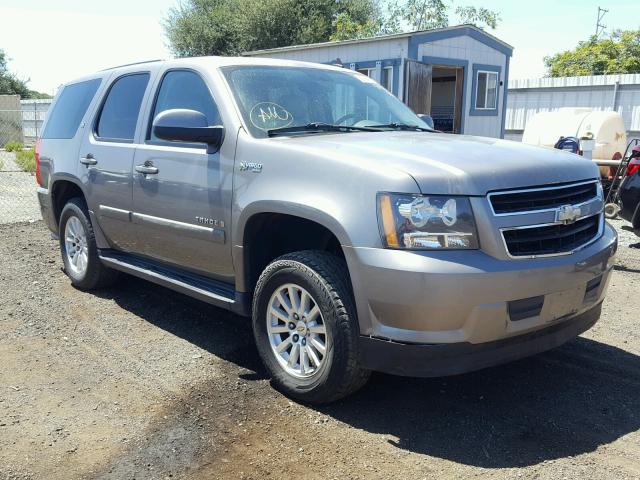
point(69, 109)
point(121, 108)
point(184, 89)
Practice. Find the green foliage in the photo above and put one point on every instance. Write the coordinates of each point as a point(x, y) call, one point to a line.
point(26, 160)
point(619, 53)
point(13, 146)
point(230, 27)
point(10, 84)
point(478, 16)
point(428, 14)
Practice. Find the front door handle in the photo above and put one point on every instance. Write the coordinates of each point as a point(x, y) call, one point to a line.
point(88, 160)
point(147, 169)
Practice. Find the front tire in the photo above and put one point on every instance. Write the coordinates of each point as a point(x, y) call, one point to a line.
point(305, 327)
point(79, 250)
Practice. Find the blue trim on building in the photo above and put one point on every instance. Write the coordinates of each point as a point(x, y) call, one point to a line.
point(417, 39)
point(454, 62)
point(505, 89)
point(458, 62)
point(493, 112)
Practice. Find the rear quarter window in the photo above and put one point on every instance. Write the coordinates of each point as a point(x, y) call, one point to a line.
point(121, 108)
point(69, 109)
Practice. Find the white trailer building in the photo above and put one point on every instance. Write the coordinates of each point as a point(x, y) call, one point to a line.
point(458, 75)
point(618, 93)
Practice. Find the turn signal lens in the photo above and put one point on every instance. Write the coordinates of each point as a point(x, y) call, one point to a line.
point(388, 224)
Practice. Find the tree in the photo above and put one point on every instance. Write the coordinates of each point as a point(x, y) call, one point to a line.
point(10, 84)
point(230, 27)
point(619, 53)
point(427, 14)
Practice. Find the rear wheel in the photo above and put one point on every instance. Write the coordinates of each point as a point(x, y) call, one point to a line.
point(79, 250)
point(305, 327)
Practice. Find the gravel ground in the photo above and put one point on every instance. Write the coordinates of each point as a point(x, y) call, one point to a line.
point(140, 382)
point(18, 201)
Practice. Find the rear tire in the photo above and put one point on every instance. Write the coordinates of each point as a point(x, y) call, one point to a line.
point(79, 250)
point(315, 322)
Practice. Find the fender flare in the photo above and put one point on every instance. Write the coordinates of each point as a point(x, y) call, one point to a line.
point(306, 212)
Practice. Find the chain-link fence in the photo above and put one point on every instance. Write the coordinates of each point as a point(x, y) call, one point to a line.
point(21, 120)
point(18, 200)
point(20, 126)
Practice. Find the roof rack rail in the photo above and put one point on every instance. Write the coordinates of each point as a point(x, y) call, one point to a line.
point(134, 63)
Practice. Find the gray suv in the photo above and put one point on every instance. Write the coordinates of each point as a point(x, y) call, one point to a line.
point(310, 199)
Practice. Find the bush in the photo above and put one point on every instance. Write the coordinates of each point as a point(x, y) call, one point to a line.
point(26, 159)
point(13, 146)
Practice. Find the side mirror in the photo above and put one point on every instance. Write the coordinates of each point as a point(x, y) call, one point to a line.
point(426, 119)
point(184, 125)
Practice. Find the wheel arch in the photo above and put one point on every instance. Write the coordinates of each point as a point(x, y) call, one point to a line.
point(62, 189)
point(267, 231)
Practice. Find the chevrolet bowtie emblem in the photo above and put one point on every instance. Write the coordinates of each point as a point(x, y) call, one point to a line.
point(568, 214)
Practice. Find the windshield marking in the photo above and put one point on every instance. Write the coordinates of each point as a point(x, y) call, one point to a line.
point(269, 115)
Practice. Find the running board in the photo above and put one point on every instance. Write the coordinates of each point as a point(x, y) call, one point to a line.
point(197, 286)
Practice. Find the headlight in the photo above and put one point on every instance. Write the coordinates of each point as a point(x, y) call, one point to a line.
point(426, 222)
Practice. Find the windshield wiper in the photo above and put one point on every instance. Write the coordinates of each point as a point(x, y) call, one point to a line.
point(319, 127)
point(403, 126)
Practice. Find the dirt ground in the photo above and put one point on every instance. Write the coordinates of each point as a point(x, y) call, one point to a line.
point(140, 382)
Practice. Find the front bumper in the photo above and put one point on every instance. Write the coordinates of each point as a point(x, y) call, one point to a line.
point(465, 297)
point(453, 359)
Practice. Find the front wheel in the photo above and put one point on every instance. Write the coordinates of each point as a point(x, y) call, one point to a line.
point(305, 327)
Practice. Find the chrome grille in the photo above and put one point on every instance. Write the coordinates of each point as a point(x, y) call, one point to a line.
point(551, 239)
point(543, 198)
point(548, 220)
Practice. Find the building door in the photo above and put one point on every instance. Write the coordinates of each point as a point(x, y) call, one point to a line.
point(418, 78)
point(436, 90)
point(446, 98)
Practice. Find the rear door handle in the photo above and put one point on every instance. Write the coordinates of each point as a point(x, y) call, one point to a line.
point(88, 160)
point(147, 169)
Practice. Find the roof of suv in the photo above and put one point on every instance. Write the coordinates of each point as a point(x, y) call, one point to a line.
point(207, 62)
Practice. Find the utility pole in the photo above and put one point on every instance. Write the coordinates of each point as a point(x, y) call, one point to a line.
point(599, 26)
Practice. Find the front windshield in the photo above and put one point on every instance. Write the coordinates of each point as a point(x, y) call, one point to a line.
point(272, 97)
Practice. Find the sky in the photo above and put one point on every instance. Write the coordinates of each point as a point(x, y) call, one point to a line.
point(51, 41)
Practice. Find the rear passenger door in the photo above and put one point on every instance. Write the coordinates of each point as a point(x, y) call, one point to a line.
point(106, 157)
point(182, 209)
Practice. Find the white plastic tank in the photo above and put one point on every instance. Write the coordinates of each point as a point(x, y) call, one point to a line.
point(606, 128)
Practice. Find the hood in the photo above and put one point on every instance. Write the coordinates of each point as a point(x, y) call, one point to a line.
point(454, 164)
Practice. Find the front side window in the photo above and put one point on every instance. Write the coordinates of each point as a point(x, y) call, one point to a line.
point(486, 90)
point(184, 89)
point(271, 97)
point(69, 109)
point(120, 111)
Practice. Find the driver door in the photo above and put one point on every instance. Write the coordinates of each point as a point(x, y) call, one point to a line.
point(181, 193)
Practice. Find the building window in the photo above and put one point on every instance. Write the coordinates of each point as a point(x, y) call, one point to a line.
point(387, 78)
point(366, 71)
point(486, 90)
